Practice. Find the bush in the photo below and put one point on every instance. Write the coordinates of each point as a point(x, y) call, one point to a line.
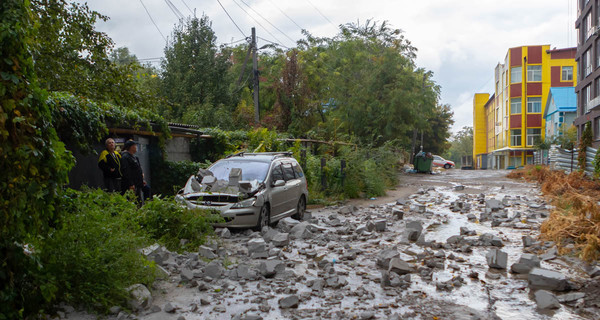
point(168, 177)
point(167, 222)
point(92, 256)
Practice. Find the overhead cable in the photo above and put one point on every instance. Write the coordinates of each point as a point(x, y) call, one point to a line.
point(321, 13)
point(230, 18)
point(176, 11)
point(269, 22)
point(257, 22)
point(161, 34)
point(271, 42)
point(283, 12)
point(185, 4)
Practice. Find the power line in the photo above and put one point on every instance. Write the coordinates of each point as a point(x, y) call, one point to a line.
point(251, 17)
point(283, 12)
point(185, 4)
point(161, 34)
point(275, 43)
point(176, 11)
point(232, 19)
point(260, 15)
point(321, 13)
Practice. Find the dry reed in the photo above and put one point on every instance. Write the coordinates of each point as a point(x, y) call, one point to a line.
point(576, 214)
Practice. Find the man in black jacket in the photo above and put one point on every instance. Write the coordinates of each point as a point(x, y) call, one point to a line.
point(133, 176)
point(110, 164)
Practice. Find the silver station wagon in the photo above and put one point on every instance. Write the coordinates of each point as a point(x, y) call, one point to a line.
point(249, 190)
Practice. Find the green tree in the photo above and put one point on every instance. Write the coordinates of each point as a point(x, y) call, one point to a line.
point(438, 130)
point(195, 75)
point(33, 166)
point(461, 145)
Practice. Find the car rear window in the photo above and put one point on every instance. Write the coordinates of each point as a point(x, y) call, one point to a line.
point(298, 171)
point(288, 171)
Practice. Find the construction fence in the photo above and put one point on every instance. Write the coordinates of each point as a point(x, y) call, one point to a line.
point(566, 160)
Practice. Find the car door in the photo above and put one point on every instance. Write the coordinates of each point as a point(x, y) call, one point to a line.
point(277, 194)
point(293, 185)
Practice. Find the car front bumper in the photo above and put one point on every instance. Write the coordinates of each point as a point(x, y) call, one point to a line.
point(234, 218)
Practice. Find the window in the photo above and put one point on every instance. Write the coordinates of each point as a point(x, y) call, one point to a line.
point(567, 74)
point(588, 31)
point(597, 128)
point(515, 74)
point(586, 63)
point(288, 172)
point(515, 105)
point(597, 53)
point(277, 174)
point(533, 136)
point(534, 73)
point(515, 161)
point(298, 171)
point(515, 137)
point(534, 105)
point(585, 99)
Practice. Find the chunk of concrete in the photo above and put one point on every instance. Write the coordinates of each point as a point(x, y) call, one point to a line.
point(206, 252)
point(281, 240)
point(223, 233)
point(497, 259)
point(257, 248)
point(286, 224)
point(347, 210)
point(547, 279)
point(526, 263)
point(546, 300)
point(570, 297)
point(380, 225)
point(289, 302)
point(400, 266)
point(214, 269)
point(140, 297)
point(493, 205)
point(301, 231)
point(271, 267)
point(398, 214)
point(527, 241)
point(414, 230)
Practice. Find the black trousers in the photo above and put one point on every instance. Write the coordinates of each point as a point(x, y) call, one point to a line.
point(112, 184)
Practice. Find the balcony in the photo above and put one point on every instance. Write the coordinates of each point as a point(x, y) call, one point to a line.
point(592, 104)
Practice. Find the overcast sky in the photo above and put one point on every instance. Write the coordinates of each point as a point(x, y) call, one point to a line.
point(461, 41)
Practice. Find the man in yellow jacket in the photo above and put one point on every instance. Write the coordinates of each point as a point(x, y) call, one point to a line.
point(110, 164)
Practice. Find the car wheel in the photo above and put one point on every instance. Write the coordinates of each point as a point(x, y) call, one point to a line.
point(447, 166)
point(264, 217)
point(300, 209)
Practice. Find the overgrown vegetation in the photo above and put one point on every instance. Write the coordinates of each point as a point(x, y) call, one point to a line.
point(91, 256)
point(169, 223)
point(584, 143)
point(576, 216)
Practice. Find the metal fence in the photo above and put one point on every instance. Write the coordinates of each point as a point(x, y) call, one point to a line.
point(566, 160)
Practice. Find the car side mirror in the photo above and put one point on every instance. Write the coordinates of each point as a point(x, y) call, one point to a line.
point(279, 183)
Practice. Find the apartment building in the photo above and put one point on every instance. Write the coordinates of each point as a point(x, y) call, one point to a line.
point(512, 115)
point(588, 59)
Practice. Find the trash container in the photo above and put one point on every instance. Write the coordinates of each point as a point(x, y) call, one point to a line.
point(423, 162)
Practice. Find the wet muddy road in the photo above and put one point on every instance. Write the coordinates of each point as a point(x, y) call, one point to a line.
point(371, 260)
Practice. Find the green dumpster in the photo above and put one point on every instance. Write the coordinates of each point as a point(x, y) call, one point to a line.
point(423, 162)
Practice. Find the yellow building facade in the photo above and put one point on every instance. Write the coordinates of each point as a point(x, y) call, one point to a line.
point(510, 122)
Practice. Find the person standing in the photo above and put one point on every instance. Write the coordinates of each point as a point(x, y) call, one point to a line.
point(110, 164)
point(133, 176)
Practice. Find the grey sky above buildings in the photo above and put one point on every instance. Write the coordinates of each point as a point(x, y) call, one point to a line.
point(461, 41)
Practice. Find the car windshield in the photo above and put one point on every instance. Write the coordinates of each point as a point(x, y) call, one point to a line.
point(251, 170)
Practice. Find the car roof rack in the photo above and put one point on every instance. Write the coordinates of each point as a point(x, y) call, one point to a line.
point(275, 154)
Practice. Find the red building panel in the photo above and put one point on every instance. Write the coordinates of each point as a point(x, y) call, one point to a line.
point(515, 90)
point(556, 77)
point(515, 121)
point(568, 53)
point(534, 54)
point(516, 56)
point(534, 89)
point(534, 120)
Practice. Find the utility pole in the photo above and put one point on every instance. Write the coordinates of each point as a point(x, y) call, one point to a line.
point(255, 77)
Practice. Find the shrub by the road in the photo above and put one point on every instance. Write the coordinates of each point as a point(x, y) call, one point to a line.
point(168, 223)
point(92, 255)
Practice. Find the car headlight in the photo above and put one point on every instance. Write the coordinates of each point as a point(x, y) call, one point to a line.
point(244, 203)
